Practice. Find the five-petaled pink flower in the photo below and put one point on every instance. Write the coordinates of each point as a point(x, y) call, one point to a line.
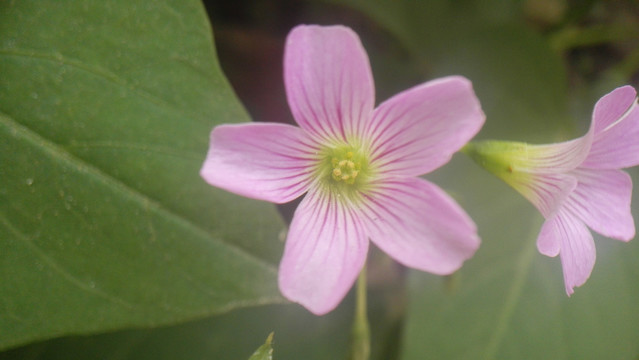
point(577, 183)
point(357, 165)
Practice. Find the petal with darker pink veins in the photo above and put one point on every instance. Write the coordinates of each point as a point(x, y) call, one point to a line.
point(272, 162)
point(419, 225)
point(325, 250)
point(329, 84)
point(577, 248)
point(602, 200)
point(419, 130)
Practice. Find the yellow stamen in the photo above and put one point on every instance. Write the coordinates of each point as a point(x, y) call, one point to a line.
point(346, 166)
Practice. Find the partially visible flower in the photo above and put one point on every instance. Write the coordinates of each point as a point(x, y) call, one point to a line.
point(357, 165)
point(577, 183)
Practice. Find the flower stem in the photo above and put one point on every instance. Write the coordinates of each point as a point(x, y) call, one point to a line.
point(571, 37)
point(360, 334)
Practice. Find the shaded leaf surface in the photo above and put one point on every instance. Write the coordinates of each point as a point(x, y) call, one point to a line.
point(105, 111)
point(233, 335)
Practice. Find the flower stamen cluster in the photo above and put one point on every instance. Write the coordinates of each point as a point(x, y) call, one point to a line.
point(345, 165)
point(345, 169)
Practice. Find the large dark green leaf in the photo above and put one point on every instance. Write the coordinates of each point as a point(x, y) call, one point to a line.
point(105, 111)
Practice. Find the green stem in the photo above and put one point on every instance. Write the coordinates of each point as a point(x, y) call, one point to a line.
point(360, 334)
point(572, 37)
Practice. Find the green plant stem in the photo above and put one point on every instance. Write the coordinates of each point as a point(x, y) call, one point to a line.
point(360, 334)
point(572, 37)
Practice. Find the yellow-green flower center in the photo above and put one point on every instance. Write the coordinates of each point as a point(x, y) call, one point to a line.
point(344, 168)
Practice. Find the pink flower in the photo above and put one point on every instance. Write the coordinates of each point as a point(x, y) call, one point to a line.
point(357, 165)
point(577, 183)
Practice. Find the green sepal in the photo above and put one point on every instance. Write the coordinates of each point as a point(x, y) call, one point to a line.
point(264, 352)
point(501, 158)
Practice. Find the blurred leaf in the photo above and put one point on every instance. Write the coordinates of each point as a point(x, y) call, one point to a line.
point(105, 111)
point(233, 335)
point(264, 352)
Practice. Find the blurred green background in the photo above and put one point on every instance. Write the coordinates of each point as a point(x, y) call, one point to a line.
point(112, 247)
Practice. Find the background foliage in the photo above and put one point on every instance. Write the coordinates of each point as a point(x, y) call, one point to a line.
point(112, 247)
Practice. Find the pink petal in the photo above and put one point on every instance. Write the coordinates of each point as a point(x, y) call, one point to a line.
point(328, 80)
point(577, 248)
point(420, 226)
point(612, 106)
point(272, 162)
point(548, 241)
point(541, 173)
point(418, 130)
point(552, 158)
point(602, 201)
point(546, 192)
point(615, 146)
point(325, 251)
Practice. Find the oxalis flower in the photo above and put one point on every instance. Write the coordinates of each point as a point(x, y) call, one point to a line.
point(357, 166)
point(576, 184)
